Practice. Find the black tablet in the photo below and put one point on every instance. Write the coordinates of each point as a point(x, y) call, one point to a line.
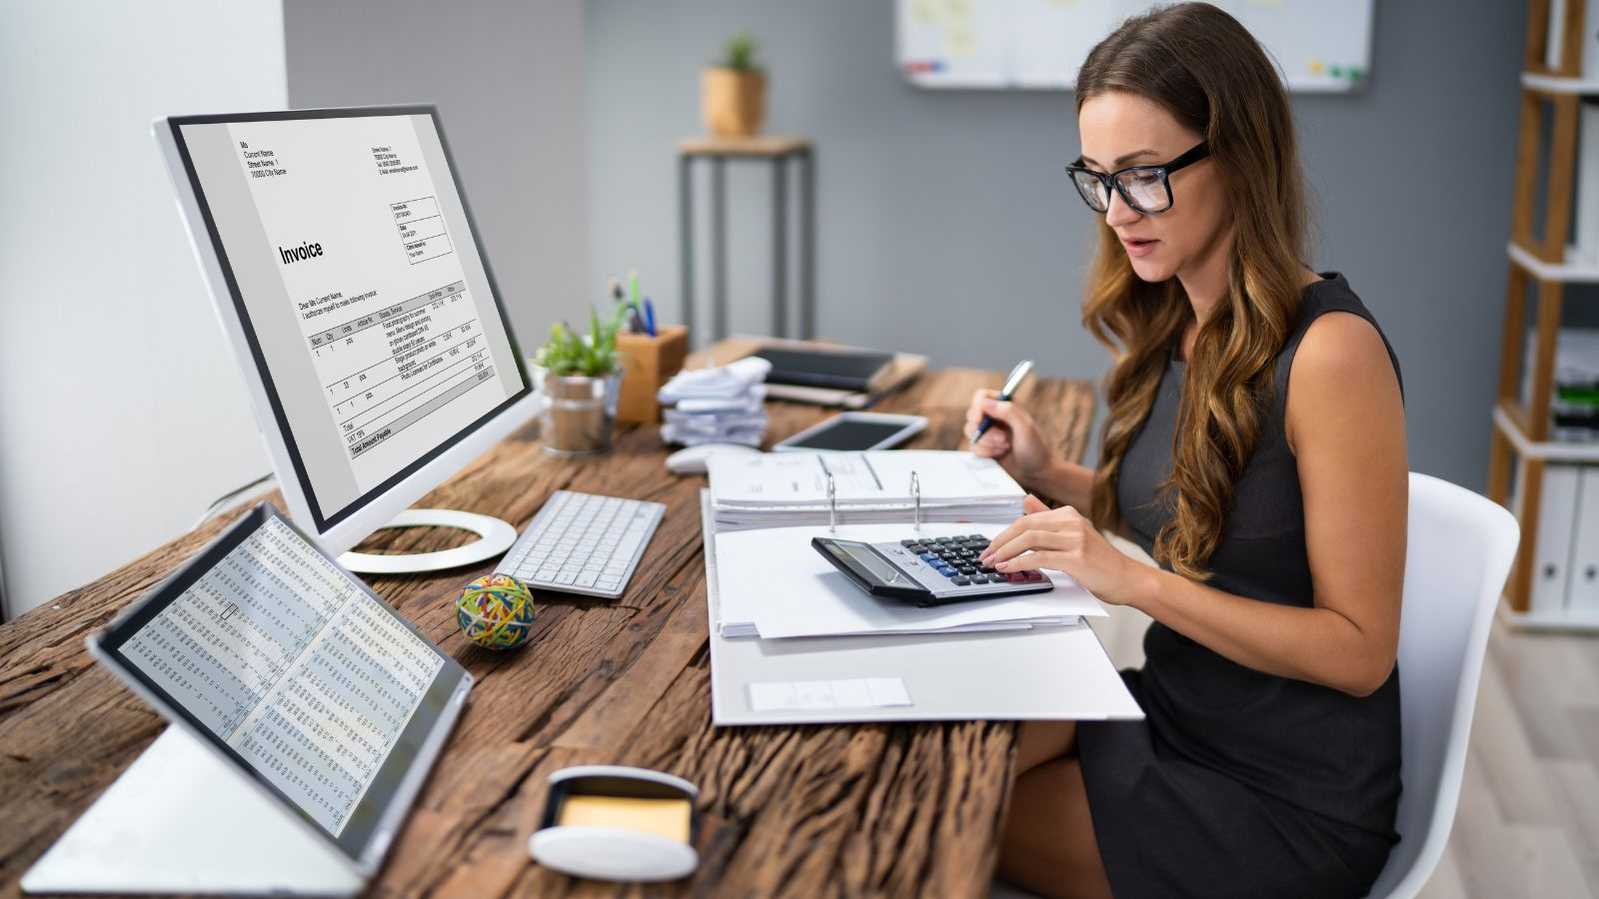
point(296, 674)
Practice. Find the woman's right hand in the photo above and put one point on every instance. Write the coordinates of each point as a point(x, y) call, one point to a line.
point(1013, 438)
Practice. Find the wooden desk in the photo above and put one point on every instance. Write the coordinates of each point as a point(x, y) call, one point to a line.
point(805, 811)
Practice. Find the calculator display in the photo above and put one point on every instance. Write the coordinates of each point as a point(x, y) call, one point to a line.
point(873, 563)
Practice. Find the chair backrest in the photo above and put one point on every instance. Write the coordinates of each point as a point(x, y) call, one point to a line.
point(1459, 549)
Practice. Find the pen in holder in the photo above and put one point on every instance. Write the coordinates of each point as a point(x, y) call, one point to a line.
point(916, 504)
point(647, 363)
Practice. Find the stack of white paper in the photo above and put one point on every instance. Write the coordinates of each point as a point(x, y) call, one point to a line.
point(773, 585)
point(790, 489)
point(716, 405)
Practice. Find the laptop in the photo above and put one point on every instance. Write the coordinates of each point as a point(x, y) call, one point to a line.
point(305, 714)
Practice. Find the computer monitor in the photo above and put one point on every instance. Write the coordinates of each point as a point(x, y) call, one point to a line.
point(351, 281)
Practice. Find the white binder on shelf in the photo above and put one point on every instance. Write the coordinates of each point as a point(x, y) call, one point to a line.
point(1551, 557)
point(1582, 583)
point(1059, 672)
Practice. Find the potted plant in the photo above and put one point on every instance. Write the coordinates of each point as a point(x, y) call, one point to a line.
point(733, 94)
point(581, 378)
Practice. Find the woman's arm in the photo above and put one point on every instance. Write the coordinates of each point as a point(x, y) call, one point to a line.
point(1346, 426)
point(1071, 484)
point(1015, 440)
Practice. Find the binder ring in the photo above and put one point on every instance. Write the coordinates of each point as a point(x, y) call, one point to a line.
point(832, 505)
point(916, 502)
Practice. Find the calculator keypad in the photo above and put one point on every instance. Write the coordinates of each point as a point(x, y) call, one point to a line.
point(948, 566)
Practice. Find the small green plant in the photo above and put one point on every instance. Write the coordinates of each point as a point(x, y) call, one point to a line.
point(593, 355)
point(740, 53)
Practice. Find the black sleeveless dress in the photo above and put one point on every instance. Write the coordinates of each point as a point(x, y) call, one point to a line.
point(1239, 783)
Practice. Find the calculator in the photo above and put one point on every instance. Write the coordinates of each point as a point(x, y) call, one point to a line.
point(927, 571)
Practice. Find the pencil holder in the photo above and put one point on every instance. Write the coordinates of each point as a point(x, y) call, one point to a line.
point(647, 363)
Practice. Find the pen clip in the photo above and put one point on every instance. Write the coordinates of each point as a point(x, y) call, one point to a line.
point(916, 503)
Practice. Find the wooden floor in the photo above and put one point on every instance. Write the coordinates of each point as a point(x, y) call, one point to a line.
point(1528, 820)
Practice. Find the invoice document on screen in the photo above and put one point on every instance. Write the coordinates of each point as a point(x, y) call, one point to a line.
point(362, 282)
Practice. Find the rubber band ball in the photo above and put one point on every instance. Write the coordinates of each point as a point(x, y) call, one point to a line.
point(496, 612)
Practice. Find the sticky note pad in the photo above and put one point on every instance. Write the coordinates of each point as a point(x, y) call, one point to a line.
point(667, 817)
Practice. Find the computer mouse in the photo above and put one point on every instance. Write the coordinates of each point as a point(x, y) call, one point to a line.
point(691, 460)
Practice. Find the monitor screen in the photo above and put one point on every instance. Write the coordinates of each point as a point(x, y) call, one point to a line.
point(359, 281)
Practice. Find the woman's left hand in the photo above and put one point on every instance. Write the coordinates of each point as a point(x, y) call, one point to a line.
point(1065, 540)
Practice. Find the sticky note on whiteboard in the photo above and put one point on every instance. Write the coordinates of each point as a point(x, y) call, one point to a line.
point(827, 695)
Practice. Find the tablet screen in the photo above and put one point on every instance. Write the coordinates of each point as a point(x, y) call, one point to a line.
point(850, 434)
point(294, 669)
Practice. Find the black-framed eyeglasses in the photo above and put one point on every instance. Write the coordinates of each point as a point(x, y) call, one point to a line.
point(1146, 188)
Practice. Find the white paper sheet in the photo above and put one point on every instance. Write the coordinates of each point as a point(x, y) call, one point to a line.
point(775, 580)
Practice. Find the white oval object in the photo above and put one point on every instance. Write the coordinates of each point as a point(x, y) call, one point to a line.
point(611, 853)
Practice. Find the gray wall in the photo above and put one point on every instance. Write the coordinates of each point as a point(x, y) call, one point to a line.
point(947, 227)
point(508, 80)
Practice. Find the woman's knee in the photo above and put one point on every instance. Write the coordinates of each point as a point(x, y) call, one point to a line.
point(1049, 845)
point(1044, 741)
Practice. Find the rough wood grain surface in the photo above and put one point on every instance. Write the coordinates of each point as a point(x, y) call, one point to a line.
point(904, 809)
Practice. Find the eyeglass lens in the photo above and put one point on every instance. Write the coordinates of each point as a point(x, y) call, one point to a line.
point(1144, 189)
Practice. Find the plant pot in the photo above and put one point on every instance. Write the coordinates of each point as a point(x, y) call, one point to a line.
point(578, 413)
point(733, 101)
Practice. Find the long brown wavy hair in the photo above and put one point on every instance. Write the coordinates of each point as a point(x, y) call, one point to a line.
point(1204, 68)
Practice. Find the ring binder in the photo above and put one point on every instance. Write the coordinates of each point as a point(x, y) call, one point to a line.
point(839, 490)
point(916, 503)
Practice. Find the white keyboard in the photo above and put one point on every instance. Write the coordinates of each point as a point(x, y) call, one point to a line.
point(583, 543)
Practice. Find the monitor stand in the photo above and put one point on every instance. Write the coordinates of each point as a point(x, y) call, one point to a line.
point(494, 537)
point(179, 820)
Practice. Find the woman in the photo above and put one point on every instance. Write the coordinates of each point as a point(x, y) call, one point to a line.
point(1255, 446)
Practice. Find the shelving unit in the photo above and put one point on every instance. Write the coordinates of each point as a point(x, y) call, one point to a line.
point(1521, 431)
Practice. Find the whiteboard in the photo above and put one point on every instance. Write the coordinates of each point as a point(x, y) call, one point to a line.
point(1320, 45)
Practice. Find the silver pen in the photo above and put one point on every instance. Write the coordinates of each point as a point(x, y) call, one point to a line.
point(1017, 376)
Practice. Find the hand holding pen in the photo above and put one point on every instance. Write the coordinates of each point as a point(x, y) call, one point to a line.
point(1004, 431)
point(1017, 376)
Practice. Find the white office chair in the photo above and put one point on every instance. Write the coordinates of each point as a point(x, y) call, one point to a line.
point(1458, 555)
point(1459, 549)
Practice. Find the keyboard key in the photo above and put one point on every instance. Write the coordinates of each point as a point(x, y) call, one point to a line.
point(960, 581)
